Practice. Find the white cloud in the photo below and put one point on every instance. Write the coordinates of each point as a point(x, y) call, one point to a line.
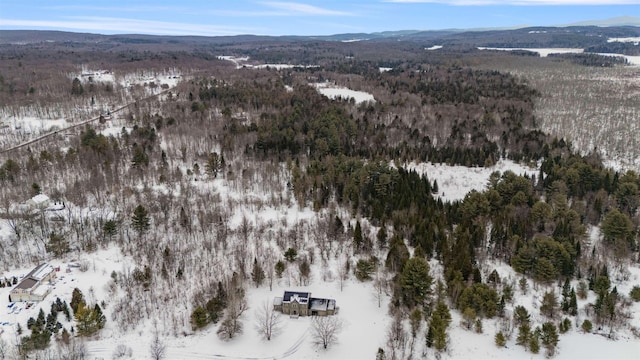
point(520, 2)
point(124, 25)
point(293, 8)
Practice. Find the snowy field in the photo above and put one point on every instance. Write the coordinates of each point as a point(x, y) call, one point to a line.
point(335, 92)
point(454, 182)
point(633, 60)
point(634, 40)
point(243, 61)
point(543, 52)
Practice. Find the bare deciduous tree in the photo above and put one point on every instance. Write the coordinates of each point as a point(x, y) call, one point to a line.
point(4, 349)
point(268, 320)
point(325, 330)
point(157, 349)
point(231, 325)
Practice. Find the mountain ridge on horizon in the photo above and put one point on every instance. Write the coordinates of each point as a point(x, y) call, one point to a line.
point(620, 21)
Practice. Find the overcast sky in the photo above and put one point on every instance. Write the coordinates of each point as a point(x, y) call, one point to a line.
point(304, 17)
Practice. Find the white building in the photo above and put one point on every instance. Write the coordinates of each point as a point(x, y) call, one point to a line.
point(34, 286)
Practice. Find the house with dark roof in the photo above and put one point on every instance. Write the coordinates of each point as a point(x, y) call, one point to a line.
point(35, 285)
point(302, 304)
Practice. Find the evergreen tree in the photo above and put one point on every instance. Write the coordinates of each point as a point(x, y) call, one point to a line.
point(290, 254)
point(358, 241)
point(305, 271)
point(617, 226)
point(140, 157)
point(279, 267)
point(549, 336)
point(440, 320)
point(415, 319)
point(257, 274)
point(524, 335)
point(468, 317)
point(76, 299)
point(500, 339)
point(110, 228)
point(98, 317)
point(57, 244)
point(382, 235)
point(415, 282)
point(549, 306)
point(534, 344)
point(76, 87)
point(521, 316)
point(213, 164)
point(185, 223)
point(140, 220)
point(573, 303)
point(398, 254)
point(199, 318)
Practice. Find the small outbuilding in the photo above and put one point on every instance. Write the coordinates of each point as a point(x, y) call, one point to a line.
point(40, 201)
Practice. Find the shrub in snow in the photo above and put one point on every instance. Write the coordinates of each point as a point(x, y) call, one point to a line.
point(635, 293)
point(501, 341)
point(121, 351)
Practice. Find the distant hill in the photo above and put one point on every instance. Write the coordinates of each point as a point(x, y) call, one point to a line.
point(615, 21)
point(582, 36)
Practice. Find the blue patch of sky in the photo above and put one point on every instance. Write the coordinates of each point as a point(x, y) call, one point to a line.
point(265, 17)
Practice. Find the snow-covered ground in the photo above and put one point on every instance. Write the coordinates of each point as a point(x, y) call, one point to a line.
point(359, 313)
point(365, 323)
point(543, 52)
point(455, 181)
point(633, 60)
point(333, 92)
point(243, 61)
point(34, 125)
point(634, 40)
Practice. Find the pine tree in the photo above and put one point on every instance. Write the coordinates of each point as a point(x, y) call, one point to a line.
point(549, 305)
point(382, 235)
point(76, 299)
point(140, 157)
point(415, 282)
point(213, 164)
point(279, 267)
point(257, 275)
point(57, 244)
point(110, 228)
point(76, 87)
point(440, 320)
point(573, 303)
point(199, 318)
point(534, 344)
point(501, 341)
point(140, 220)
point(98, 317)
point(358, 241)
point(524, 335)
point(549, 336)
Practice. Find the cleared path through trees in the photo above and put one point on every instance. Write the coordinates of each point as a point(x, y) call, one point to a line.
point(42, 137)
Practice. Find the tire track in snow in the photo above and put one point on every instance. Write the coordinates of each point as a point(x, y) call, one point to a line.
point(176, 353)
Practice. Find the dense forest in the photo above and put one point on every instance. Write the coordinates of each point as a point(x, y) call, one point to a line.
point(270, 131)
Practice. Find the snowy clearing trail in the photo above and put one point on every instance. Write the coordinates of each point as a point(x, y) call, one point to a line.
point(42, 137)
point(189, 353)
